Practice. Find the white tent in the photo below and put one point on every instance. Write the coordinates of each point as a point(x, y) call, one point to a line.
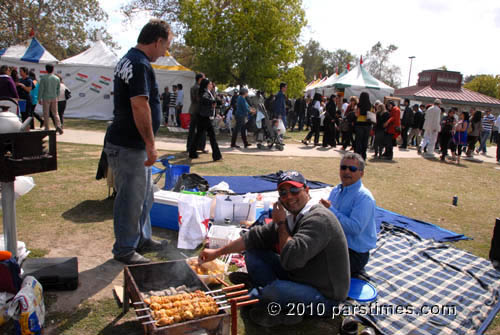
point(360, 80)
point(89, 75)
point(28, 53)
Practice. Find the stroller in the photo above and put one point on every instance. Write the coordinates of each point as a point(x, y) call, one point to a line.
point(269, 131)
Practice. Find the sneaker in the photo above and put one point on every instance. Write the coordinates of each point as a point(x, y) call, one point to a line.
point(152, 245)
point(132, 258)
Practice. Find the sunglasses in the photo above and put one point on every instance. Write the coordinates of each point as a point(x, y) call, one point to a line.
point(351, 168)
point(293, 191)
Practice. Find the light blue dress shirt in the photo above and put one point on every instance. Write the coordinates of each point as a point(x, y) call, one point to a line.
point(354, 206)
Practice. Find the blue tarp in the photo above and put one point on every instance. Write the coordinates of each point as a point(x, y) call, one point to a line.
point(267, 183)
point(424, 229)
point(254, 184)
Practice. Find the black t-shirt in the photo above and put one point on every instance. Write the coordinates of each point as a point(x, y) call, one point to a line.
point(22, 92)
point(134, 77)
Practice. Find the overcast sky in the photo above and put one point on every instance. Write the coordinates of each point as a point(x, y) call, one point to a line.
point(463, 35)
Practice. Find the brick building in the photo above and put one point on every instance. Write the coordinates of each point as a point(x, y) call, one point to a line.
point(447, 86)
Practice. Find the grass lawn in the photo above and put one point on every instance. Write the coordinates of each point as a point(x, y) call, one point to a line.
point(67, 214)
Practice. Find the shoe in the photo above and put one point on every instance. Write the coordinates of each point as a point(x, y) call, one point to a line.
point(305, 142)
point(248, 145)
point(152, 245)
point(217, 159)
point(59, 130)
point(132, 258)
point(193, 156)
point(235, 146)
point(239, 277)
point(349, 326)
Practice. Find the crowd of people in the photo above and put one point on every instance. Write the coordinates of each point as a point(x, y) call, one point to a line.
point(22, 86)
point(355, 124)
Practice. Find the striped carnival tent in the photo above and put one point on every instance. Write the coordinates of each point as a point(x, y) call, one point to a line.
point(360, 80)
point(31, 51)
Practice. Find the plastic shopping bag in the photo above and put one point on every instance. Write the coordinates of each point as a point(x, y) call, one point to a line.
point(27, 308)
point(194, 215)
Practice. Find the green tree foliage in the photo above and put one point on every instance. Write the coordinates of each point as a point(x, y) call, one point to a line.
point(234, 42)
point(183, 54)
point(295, 80)
point(376, 61)
point(485, 84)
point(63, 27)
point(242, 41)
point(314, 60)
point(338, 60)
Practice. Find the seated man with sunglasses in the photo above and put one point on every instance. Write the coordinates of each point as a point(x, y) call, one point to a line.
point(299, 258)
point(354, 206)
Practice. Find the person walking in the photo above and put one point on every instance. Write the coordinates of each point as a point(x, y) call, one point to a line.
point(47, 96)
point(206, 113)
point(474, 131)
point(392, 129)
point(362, 125)
point(64, 95)
point(432, 125)
point(315, 120)
point(447, 128)
point(382, 116)
point(241, 116)
point(193, 111)
point(329, 123)
point(460, 136)
point(406, 123)
point(487, 125)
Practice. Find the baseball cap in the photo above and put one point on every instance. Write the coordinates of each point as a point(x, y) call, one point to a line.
point(291, 177)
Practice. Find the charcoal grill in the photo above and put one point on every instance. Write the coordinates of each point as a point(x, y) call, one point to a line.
point(160, 276)
point(21, 154)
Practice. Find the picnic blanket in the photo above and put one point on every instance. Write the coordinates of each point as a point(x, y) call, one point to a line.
point(425, 287)
point(424, 229)
point(255, 184)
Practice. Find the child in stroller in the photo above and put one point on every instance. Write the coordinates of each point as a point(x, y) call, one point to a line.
point(269, 131)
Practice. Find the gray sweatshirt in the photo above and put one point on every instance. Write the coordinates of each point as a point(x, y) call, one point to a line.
point(317, 255)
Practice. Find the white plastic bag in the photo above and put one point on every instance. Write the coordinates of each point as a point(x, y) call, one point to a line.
point(281, 127)
point(194, 214)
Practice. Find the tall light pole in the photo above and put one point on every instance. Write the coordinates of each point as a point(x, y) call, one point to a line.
point(409, 74)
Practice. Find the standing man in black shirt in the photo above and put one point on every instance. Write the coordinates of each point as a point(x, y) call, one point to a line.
point(24, 87)
point(194, 112)
point(130, 143)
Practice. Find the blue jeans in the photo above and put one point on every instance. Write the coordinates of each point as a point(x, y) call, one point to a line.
point(274, 285)
point(484, 137)
point(134, 197)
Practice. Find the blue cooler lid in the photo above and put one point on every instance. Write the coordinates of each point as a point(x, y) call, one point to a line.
point(361, 290)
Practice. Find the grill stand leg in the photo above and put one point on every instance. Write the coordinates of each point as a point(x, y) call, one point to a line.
point(9, 217)
point(126, 297)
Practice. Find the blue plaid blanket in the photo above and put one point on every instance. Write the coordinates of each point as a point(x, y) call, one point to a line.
point(425, 287)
